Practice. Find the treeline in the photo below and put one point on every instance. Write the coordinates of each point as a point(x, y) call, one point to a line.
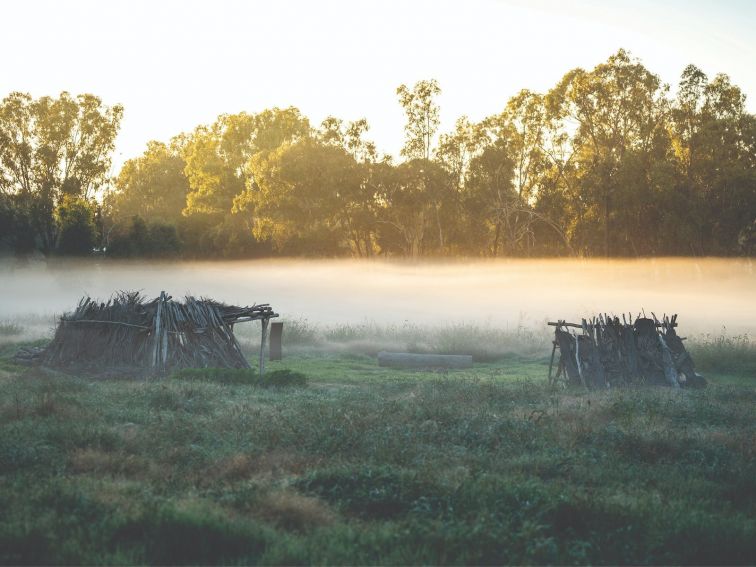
point(607, 162)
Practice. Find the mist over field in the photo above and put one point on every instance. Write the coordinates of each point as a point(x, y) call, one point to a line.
point(708, 294)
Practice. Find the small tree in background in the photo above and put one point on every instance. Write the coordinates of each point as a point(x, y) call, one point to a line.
point(76, 226)
point(145, 240)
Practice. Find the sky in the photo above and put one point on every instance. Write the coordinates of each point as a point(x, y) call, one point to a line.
point(175, 65)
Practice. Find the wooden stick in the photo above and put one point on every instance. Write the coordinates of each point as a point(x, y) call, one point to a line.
point(69, 321)
point(157, 329)
point(670, 372)
point(551, 363)
point(577, 359)
point(580, 326)
point(262, 346)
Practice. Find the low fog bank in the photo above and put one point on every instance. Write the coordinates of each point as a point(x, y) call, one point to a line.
point(507, 295)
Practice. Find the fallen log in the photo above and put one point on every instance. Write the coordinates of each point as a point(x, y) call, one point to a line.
point(410, 360)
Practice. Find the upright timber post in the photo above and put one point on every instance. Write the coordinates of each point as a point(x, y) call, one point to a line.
point(160, 346)
point(274, 343)
point(262, 345)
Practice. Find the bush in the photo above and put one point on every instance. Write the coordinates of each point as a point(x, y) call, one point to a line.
point(276, 378)
point(373, 491)
point(145, 240)
point(76, 219)
point(192, 537)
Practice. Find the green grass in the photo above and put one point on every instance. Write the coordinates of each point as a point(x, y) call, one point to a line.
point(734, 354)
point(485, 343)
point(367, 465)
point(283, 377)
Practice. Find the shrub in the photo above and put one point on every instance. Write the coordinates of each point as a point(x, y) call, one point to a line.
point(372, 491)
point(141, 239)
point(78, 233)
point(284, 377)
point(276, 378)
point(192, 537)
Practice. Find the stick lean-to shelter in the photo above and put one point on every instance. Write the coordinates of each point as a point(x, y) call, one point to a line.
point(130, 333)
point(603, 352)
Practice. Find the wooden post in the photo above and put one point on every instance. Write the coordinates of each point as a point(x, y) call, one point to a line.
point(670, 371)
point(577, 360)
point(262, 345)
point(551, 364)
point(274, 343)
point(157, 329)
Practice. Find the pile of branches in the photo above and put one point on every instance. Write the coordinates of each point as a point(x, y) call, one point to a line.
point(606, 352)
point(130, 332)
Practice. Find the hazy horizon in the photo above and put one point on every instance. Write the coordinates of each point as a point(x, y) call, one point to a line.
point(707, 293)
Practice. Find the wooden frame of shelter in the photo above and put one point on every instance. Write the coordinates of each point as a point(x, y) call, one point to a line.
point(609, 352)
point(157, 335)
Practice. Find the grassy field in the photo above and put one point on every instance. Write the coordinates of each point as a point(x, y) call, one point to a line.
point(368, 465)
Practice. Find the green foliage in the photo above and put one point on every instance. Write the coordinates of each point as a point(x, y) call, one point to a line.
point(152, 186)
point(302, 192)
point(191, 537)
point(140, 239)
point(17, 232)
point(275, 379)
point(217, 161)
point(51, 148)
point(76, 226)
point(597, 166)
point(422, 117)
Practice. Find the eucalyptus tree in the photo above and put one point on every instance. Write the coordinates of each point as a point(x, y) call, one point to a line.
point(407, 196)
point(302, 195)
point(359, 207)
point(54, 147)
point(618, 115)
point(715, 147)
point(217, 167)
point(152, 185)
point(423, 118)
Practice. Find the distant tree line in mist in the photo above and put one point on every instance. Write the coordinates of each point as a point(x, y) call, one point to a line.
point(606, 163)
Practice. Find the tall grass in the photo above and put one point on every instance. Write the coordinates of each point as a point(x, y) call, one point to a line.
point(26, 328)
point(486, 343)
point(712, 352)
point(10, 329)
point(724, 353)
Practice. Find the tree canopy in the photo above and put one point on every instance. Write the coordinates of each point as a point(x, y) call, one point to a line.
point(52, 148)
point(608, 162)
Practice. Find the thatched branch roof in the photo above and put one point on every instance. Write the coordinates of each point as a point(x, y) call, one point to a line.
point(160, 334)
